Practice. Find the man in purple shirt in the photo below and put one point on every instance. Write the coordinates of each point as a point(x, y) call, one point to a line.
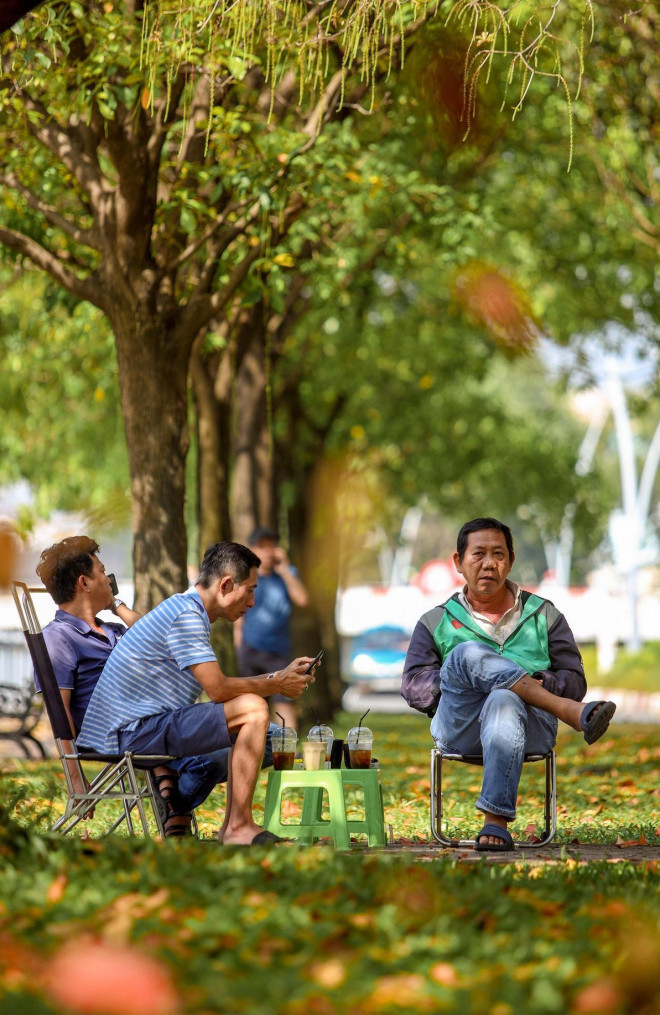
point(78, 642)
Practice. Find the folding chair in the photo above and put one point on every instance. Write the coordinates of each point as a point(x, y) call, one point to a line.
point(123, 777)
point(550, 801)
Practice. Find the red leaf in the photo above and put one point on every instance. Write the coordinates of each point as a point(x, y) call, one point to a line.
point(631, 842)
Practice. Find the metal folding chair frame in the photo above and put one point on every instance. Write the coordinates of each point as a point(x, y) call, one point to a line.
point(123, 777)
point(550, 802)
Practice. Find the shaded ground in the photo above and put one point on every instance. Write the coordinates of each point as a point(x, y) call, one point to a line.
point(608, 795)
point(555, 853)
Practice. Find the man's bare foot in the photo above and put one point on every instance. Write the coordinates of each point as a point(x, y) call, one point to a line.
point(581, 709)
point(492, 840)
point(573, 712)
point(240, 835)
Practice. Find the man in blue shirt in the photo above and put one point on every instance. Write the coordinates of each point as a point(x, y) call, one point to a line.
point(262, 638)
point(79, 644)
point(145, 699)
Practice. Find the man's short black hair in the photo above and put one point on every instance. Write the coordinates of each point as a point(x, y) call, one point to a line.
point(61, 565)
point(260, 533)
point(231, 559)
point(477, 525)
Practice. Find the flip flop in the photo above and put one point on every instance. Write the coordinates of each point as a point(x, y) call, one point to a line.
point(502, 833)
point(266, 838)
point(594, 723)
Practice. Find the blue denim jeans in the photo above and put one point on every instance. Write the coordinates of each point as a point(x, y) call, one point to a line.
point(479, 714)
point(199, 775)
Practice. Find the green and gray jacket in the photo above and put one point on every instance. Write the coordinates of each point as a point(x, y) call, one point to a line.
point(542, 643)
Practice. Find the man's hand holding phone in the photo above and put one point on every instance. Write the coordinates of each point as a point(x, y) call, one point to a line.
point(114, 591)
point(314, 663)
point(297, 676)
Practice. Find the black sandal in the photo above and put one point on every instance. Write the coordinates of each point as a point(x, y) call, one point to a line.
point(176, 822)
point(177, 826)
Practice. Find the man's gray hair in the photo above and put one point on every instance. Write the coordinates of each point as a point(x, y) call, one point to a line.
point(231, 559)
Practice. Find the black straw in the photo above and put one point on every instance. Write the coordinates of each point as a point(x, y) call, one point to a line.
point(284, 720)
point(360, 724)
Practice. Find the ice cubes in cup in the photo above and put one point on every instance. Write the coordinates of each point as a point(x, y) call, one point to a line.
point(360, 741)
point(283, 743)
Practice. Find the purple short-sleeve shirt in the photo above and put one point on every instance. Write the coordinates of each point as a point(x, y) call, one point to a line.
point(78, 654)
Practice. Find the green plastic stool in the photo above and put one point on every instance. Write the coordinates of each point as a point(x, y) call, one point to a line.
point(333, 780)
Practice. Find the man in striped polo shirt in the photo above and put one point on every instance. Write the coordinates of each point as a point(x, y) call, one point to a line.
point(146, 698)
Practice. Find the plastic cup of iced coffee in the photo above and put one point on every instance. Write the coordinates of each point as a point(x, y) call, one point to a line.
point(360, 740)
point(313, 752)
point(325, 734)
point(283, 743)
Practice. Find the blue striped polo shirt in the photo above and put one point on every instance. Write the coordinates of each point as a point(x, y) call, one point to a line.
point(148, 672)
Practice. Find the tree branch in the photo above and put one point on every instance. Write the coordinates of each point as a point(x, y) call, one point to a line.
point(86, 237)
point(648, 232)
point(84, 289)
point(205, 307)
point(321, 109)
point(230, 235)
point(77, 160)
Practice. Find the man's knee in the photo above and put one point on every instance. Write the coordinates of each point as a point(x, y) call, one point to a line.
point(469, 655)
point(247, 709)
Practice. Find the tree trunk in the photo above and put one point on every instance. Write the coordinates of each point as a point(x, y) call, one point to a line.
point(252, 495)
point(317, 526)
point(212, 379)
point(153, 387)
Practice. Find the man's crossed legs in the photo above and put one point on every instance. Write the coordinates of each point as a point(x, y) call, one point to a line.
point(491, 706)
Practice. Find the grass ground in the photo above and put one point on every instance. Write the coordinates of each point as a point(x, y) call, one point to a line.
point(634, 671)
point(314, 932)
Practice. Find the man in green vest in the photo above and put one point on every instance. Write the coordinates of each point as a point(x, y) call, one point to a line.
point(496, 667)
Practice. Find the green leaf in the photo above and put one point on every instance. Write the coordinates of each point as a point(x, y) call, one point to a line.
point(237, 67)
point(187, 221)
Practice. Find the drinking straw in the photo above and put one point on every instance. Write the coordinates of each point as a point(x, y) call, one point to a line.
point(357, 739)
point(281, 733)
point(318, 722)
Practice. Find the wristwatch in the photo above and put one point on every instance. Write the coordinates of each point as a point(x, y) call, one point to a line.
point(116, 603)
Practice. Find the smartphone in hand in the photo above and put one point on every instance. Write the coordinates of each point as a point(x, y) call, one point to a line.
point(113, 584)
point(317, 659)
